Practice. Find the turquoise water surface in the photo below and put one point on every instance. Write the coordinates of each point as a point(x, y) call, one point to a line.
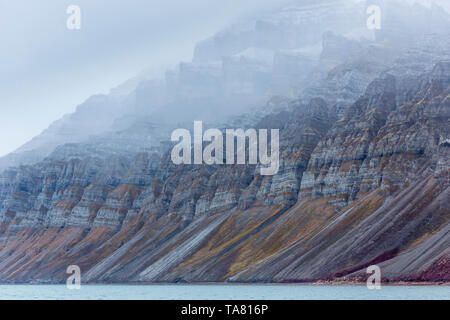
point(222, 292)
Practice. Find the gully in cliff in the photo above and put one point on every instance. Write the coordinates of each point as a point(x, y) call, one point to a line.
point(213, 153)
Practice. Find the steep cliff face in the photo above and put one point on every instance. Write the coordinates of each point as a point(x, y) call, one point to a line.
point(378, 144)
point(290, 27)
point(363, 175)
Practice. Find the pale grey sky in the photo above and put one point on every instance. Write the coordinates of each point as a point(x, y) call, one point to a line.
point(46, 70)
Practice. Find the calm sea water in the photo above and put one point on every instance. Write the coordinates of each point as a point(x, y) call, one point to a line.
point(222, 292)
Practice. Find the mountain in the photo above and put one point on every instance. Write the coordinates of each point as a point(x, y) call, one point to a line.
point(363, 176)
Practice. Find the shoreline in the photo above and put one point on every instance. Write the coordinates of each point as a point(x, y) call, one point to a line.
point(319, 283)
